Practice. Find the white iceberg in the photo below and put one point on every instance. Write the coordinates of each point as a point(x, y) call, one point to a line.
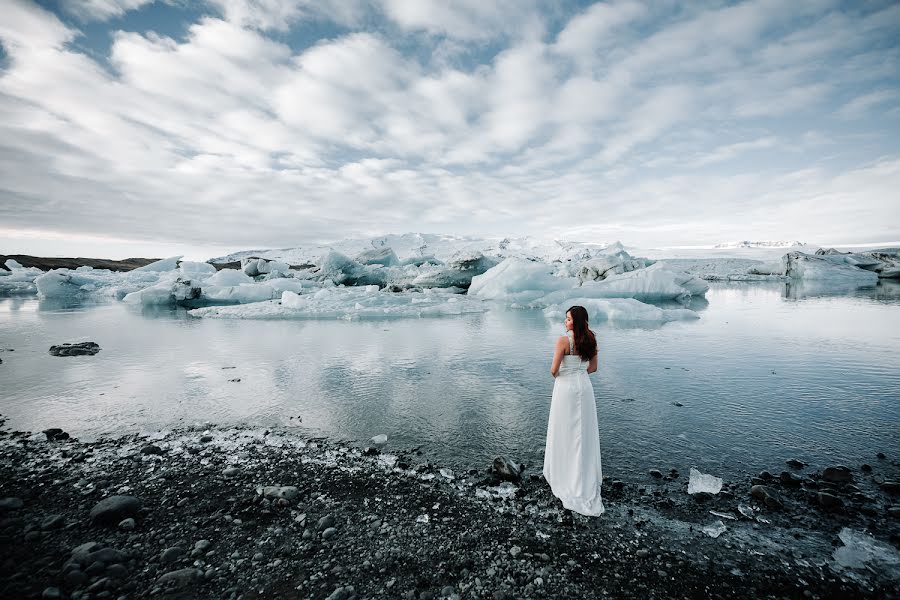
point(166, 264)
point(19, 279)
point(827, 267)
point(228, 277)
point(367, 302)
point(85, 282)
point(621, 310)
point(518, 281)
point(703, 483)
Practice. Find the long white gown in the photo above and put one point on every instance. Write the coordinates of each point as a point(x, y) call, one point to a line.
point(572, 458)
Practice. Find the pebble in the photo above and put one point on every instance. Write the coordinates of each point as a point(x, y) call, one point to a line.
point(203, 545)
point(515, 551)
point(230, 471)
point(53, 522)
point(838, 474)
point(115, 508)
point(642, 553)
point(829, 501)
point(170, 555)
point(206, 438)
point(329, 533)
point(151, 449)
point(325, 522)
point(51, 593)
point(656, 473)
point(127, 524)
point(117, 571)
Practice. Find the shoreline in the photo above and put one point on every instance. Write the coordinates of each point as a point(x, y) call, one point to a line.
point(247, 513)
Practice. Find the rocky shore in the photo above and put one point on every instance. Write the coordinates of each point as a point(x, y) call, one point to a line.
point(241, 513)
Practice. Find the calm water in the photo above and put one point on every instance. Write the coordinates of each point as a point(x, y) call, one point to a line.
point(767, 373)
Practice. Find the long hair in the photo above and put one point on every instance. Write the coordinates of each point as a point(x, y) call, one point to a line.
point(585, 342)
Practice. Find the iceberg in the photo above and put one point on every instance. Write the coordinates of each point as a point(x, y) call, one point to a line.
point(519, 281)
point(835, 268)
point(85, 282)
point(366, 302)
point(621, 310)
point(166, 264)
point(228, 277)
point(384, 256)
point(19, 279)
point(703, 483)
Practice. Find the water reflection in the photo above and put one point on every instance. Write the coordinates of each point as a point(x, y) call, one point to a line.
point(755, 380)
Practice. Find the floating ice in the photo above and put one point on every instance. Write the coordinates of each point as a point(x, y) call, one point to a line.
point(166, 264)
point(861, 550)
point(229, 277)
point(18, 280)
point(366, 302)
point(381, 438)
point(621, 310)
point(95, 283)
point(715, 530)
point(519, 281)
point(701, 482)
point(829, 267)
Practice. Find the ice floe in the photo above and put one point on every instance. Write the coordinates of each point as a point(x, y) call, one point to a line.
point(367, 302)
point(19, 279)
point(837, 268)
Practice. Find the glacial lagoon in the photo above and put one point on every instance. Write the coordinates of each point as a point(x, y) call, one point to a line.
point(768, 372)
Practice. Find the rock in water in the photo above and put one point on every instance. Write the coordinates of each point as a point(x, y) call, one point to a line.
point(838, 474)
point(507, 470)
point(79, 349)
point(701, 482)
point(112, 510)
point(766, 496)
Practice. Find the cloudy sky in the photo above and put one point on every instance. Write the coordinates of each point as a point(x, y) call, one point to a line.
point(134, 127)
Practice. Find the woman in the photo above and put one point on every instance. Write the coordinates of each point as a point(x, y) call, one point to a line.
point(572, 458)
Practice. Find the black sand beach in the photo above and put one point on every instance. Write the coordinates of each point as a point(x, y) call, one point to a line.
point(250, 514)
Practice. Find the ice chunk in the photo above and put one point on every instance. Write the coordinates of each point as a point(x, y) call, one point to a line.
point(621, 310)
point(350, 303)
point(715, 530)
point(379, 256)
point(197, 271)
point(166, 264)
point(423, 518)
point(381, 438)
point(520, 281)
point(447, 473)
point(861, 550)
point(245, 293)
point(831, 268)
point(13, 264)
point(18, 280)
point(228, 277)
point(701, 482)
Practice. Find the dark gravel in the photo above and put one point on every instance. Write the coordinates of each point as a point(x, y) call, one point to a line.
point(242, 514)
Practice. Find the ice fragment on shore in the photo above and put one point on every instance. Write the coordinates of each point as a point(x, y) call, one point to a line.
point(447, 473)
point(422, 519)
point(746, 511)
point(715, 530)
point(701, 482)
point(381, 438)
point(860, 550)
point(723, 515)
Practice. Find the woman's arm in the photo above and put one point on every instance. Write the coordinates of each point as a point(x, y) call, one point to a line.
point(592, 366)
point(558, 352)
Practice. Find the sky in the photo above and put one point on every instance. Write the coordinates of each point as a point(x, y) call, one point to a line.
point(154, 128)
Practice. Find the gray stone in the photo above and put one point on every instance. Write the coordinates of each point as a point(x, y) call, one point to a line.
point(655, 473)
point(203, 545)
point(112, 510)
point(53, 522)
point(95, 568)
point(181, 578)
point(230, 471)
point(288, 492)
point(11, 504)
point(791, 479)
point(117, 571)
point(325, 522)
point(170, 555)
point(151, 449)
point(642, 553)
point(502, 468)
point(838, 474)
point(329, 533)
point(796, 464)
point(206, 438)
point(127, 524)
point(342, 593)
point(51, 593)
point(766, 496)
point(830, 501)
point(79, 349)
point(82, 553)
point(76, 578)
point(891, 487)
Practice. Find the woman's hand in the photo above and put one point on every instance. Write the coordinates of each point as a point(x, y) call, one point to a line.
point(558, 352)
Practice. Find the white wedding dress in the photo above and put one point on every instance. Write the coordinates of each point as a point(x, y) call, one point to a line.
point(572, 458)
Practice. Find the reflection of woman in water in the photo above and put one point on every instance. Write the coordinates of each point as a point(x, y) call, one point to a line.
point(572, 458)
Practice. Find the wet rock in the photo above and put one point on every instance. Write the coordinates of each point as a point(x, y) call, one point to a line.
point(894, 511)
point(617, 484)
point(206, 438)
point(765, 476)
point(203, 545)
point(891, 487)
point(829, 501)
point(791, 479)
point(170, 555)
point(504, 469)
point(230, 471)
point(838, 474)
point(655, 473)
point(371, 451)
point(274, 492)
point(329, 533)
point(866, 467)
point(182, 578)
point(51, 593)
point(11, 504)
point(117, 571)
point(151, 449)
point(53, 522)
point(127, 524)
point(75, 578)
point(342, 593)
point(112, 510)
point(52, 433)
point(767, 496)
point(78, 349)
point(325, 522)
point(794, 463)
point(881, 455)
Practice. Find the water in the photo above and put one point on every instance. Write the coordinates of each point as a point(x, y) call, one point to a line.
point(769, 372)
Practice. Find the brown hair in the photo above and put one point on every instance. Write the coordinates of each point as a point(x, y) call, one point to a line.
point(585, 342)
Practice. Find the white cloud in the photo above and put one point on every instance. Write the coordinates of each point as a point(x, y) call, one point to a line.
point(101, 10)
point(466, 19)
point(864, 103)
point(279, 15)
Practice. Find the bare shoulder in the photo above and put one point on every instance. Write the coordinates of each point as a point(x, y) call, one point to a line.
point(562, 342)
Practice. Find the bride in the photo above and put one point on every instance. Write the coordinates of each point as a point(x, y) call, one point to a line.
point(572, 458)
